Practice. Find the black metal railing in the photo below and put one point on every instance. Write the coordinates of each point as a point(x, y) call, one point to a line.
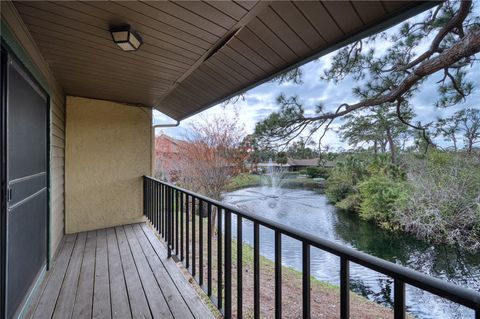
point(172, 211)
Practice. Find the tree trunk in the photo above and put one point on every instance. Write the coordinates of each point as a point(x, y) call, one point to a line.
point(391, 144)
point(470, 146)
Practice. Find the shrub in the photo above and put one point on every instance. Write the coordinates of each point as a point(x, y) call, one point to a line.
point(350, 203)
point(339, 185)
point(316, 172)
point(444, 205)
point(381, 197)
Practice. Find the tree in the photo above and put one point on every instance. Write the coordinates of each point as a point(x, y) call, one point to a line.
point(212, 154)
point(448, 128)
point(470, 125)
point(378, 127)
point(467, 122)
point(392, 77)
point(301, 149)
point(281, 158)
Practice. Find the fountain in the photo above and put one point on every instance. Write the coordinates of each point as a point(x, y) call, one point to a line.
point(273, 180)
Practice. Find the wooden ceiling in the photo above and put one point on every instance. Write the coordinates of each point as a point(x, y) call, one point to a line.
point(195, 54)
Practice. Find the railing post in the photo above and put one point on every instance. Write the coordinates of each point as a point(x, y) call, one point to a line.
point(278, 274)
point(209, 249)
point(200, 243)
point(228, 264)
point(344, 289)
point(306, 279)
point(399, 299)
point(239, 267)
point(169, 222)
point(187, 231)
point(219, 259)
point(145, 196)
point(256, 270)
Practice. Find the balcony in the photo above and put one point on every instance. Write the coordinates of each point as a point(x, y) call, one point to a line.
point(120, 272)
point(77, 139)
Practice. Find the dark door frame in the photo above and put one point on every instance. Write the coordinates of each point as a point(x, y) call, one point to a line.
point(3, 176)
point(7, 54)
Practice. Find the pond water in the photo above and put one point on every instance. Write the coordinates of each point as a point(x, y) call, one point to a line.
point(311, 212)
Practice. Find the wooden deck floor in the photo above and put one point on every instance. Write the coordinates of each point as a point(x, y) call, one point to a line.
point(119, 272)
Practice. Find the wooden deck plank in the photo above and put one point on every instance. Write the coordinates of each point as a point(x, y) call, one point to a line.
point(120, 304)
point(138, 300)
point(101, 292)
point(120, 272)
point(48, 299)
point(158, 304)
point(177, 305)
point(68, 291)
point(192, 300)
point(84, 299)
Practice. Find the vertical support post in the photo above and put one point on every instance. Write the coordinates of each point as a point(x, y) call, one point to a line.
point(278, 274)
point(155, 205)
point(187, 237)
point(209, 249)
point(145, 196)
point(219, 258)
point(165, 208)
point(177, 209)
point(181, 225)
point(228, 264)
point(239, 267)
point(256, 270)
point(169, 222)
point(306, 279)
point(200, 242)
point(399, 299)
point(344, 288)
point(194, 248)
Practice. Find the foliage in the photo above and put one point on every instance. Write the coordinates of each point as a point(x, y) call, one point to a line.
point(302, 149)
point(281, 158)
point(316, 172)
point(443, 42)
point(466, 122)
point(377, 127)
point(381, 197)
point(444, 205)
point(212, 154)
point(435, 197)
point(339, 186)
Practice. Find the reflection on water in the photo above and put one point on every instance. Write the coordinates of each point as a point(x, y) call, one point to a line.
point(310, 212)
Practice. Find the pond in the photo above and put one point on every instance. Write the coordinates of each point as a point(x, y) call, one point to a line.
point(311, 212)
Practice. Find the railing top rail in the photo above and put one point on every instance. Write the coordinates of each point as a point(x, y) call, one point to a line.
point(464, 296)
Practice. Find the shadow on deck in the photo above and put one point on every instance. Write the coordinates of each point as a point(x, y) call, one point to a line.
point(120, 272)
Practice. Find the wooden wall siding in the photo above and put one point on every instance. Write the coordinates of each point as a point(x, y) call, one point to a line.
point(171, 70)
point(57, 114)
point(281, 34)
point(74, 37)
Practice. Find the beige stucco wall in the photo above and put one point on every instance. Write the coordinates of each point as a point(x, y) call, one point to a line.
point(108, 150)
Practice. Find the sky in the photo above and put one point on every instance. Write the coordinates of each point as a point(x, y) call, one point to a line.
point(260, 101)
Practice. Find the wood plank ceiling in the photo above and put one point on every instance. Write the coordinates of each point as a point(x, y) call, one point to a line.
point(195, 53)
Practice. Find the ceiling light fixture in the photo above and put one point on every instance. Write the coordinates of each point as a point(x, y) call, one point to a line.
point(126, 38)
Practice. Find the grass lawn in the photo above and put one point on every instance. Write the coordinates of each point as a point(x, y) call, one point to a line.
point(252, 180)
